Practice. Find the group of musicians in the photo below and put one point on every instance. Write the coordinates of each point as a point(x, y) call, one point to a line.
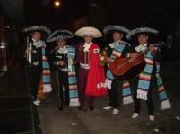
point(76, 87)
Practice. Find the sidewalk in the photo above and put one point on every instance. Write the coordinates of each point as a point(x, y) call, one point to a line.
point(16, 111)
point(99, 121)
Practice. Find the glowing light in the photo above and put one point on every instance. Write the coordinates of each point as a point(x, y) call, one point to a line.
point(57, 3)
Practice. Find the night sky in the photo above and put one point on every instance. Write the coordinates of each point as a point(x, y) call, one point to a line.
point(163, 15)
point(126, 12)
point(49, 15)
point(160, 14)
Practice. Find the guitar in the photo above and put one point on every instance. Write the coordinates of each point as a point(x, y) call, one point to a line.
point(126, 68)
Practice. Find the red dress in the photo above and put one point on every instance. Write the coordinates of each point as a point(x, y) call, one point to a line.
point(96, 77)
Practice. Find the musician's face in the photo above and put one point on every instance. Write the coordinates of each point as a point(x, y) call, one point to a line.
point(61, 43)
point(88, 38)
point(36, 35)
point(142, 39)
point(117, 36)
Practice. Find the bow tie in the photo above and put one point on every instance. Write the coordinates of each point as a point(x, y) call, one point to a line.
point(62, 50)
point(86, 47)
point(38, 43)
point(143, 44)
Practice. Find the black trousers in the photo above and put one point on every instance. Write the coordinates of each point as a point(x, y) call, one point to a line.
point(62, 82)
point(149, 101)
point(114, 92)
point(34, 76)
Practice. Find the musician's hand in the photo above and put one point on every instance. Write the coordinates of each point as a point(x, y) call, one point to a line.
point(70, 61)
point(35, 63)
point(61, 63)
point(152, 49)
point(132, 55)
point(109, 60)
point(28, 51)
point(157, 75)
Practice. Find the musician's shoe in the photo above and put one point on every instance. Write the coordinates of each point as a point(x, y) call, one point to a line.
point(151, 117)
point(91, 108)
point(80, 107)
point(107, 107)
point(115, 111)
point(135, 115)
point(60, 108)
point(33, 98)
point(67, 103)
point(36, 102)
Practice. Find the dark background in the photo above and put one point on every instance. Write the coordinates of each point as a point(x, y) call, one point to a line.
point(162, 15)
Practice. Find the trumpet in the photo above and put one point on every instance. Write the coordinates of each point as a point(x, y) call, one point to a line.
point(103, 56)
point(29, 55)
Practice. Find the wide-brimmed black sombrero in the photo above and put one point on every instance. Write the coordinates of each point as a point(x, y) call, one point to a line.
point(42, 29)
point(142, 31)
point(60, 34)
point(111, 29)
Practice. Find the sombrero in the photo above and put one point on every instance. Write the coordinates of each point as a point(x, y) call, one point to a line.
point(142, 30)
point(111, 28)
point(60, 34)
point(88, 31)
point(42, 29)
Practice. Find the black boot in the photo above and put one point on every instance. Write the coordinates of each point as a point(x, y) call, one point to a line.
point(60, 108)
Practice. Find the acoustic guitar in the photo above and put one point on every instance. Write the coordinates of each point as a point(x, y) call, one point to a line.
point(126, 68)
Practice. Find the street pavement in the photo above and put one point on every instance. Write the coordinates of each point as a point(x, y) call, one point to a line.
point(19, 116)
point(99, 121)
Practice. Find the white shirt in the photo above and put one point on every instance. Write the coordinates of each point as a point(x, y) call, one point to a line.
point(62, 50)
point(117, 41)
point(86, 46)
point(38, 43)
point(141, 48)
point(112, 45)
point(143, 44)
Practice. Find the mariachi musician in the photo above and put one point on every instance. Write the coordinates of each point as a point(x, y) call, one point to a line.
point(144, 80)
point(62, 57)
point(117, 49)
point(37, 61)
point(91, 76)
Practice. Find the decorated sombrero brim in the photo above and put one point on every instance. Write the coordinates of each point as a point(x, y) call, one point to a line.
point(88, 31)
point(42, 29)
point(111, 28)
point(60, 34)
point(142, 30)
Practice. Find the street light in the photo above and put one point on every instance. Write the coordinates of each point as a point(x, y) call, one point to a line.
point(57, 3)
